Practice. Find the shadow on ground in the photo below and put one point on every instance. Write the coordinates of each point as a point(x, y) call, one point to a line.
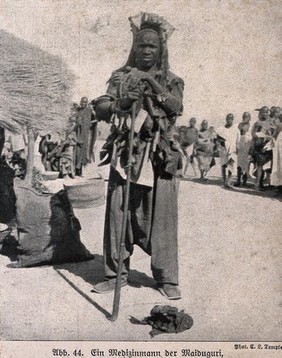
point(9, 248)
point(92, 272)
point(269, 192)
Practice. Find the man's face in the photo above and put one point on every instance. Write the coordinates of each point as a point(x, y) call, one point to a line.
point(204, 125)
point(229, 120)
point(192, 122)
point(263, 113)
point(277, 112)
point(147, 49)
point(246, 118)
point(83, 102)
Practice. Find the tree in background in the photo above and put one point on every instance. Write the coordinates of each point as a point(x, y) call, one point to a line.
point(35, 94)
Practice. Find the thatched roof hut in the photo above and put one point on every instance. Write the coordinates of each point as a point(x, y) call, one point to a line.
point(35, 86)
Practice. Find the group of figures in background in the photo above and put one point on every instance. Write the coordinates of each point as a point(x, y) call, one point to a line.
point(70, 156)
point(13, 148)
point(251, 150)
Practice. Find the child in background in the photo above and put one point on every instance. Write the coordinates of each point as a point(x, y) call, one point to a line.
point(243, 149)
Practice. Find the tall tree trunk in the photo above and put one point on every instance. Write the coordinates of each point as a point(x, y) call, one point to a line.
point(30, 154)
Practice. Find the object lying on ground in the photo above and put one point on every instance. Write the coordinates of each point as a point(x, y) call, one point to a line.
point(166, 319)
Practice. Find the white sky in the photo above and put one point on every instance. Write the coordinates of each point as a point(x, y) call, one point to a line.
point(227, 52)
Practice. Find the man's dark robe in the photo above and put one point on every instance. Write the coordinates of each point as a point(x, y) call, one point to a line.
point(84, 132)
point(152, 215)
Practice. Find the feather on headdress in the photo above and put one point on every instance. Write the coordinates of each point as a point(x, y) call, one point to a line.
point(146, 20)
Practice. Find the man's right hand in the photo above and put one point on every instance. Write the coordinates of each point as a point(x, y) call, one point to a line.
point(125, 103)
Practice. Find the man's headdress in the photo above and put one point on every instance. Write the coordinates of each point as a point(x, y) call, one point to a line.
point(164, 30)
point(155, 22)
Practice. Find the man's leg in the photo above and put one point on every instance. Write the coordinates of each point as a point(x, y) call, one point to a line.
point(193, 165)
point(187, 159)
point(228, 181)
point(112, 235)
point(259, 180)
point(78, 159)
point(245, 178)
point(164, 260)
point(239, 174)
point(223, 173)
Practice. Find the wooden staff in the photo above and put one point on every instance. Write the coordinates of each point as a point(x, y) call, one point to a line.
point(124, 220)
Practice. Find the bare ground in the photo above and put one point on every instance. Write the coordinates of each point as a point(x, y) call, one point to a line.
point(230, 277)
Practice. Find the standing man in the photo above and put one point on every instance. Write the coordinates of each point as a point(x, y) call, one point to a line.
point(262, 133)
point(188, 137)
point(152, 215)
point(227, 138)
point(85, 130)
point(204, 149)
point(243, 149)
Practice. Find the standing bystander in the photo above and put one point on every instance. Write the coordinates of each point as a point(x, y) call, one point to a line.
point(83, 148)
point(227, 138)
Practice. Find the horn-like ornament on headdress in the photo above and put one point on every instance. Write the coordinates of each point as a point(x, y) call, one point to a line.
point(152, 21)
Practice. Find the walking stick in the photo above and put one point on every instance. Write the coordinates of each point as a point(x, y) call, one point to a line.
point(124, 219)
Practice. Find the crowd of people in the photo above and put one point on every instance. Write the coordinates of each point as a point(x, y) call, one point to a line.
point(67, 154)
point(244, 149)
point(70, 155)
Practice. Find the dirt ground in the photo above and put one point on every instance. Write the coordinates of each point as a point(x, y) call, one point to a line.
point(230, 277)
